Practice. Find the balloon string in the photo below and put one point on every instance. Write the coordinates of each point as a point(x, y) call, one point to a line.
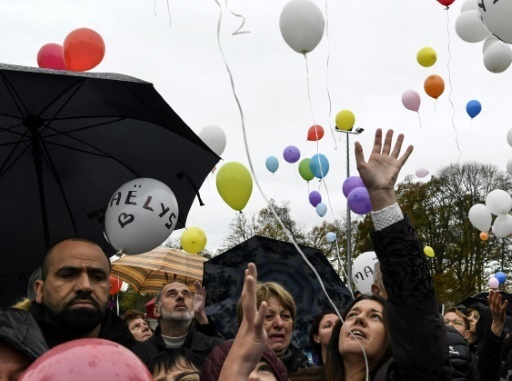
point(238, 31)
point(154, 8)
point(327, 72)
point(169, 13)
point(244, 134)
point(419, 119)
point(342, 268)
point(309, 90)
point(450, 82)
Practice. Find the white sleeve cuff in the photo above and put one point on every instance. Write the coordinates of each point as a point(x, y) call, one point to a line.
point(387, 216)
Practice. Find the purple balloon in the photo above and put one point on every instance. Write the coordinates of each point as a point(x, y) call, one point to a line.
point(352, 183)
point(359, 201)
point(315, 198)
point(291, 154)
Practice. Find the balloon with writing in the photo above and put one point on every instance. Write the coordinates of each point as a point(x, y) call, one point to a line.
point(362, 271)
point(140, 215)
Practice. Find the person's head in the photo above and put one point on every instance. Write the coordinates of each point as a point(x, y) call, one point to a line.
point(457, 320)
point(480, 318)
point(321, 330)
point(177, 364)
point(378, 285)
point(174, 303)
point(137, 324)
point(280, 316)
point(74, 285)
point(269, 368)
point(364, 327)
point(12, 361)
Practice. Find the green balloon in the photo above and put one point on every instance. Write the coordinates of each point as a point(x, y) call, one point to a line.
point(305, 171)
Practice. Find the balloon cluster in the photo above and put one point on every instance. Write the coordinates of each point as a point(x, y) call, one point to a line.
point(498, 279)
point(357, 195)
point(489, 23)
point(498, 203)
point(83, 50)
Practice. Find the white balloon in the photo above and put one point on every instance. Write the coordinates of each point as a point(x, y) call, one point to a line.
point(214, 137)
point(509, 137)
point(497, 57)
point(497, 16)
point(469, 5)
point(469, 27)
point(499, 202)
point(362, 271)
point(480, 217)
point(488, 42)
point(302, 25)
point(502, 226)
point(140, 215)
point(509, 166)
point(422, 172)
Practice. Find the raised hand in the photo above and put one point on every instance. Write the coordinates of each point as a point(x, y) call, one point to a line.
point(380, 172)
point(498, 311)
point(199, 303)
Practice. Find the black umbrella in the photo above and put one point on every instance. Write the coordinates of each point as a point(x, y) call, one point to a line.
point(482, 298)
point(68, 141)
point(279, 262)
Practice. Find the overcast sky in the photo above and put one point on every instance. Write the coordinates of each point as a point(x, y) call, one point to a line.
point(371, 46)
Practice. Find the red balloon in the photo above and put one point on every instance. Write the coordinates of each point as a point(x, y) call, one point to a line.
point(315, 132)
point(83, 49)
point(85, 360)
point(446, 2)
point(115, 285)
point(51, 56)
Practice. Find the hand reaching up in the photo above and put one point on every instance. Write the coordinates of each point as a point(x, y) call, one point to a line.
point(381, 171)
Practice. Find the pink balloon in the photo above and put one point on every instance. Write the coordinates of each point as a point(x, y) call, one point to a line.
point(51, 56)
point(494, 283)
point(411, 100)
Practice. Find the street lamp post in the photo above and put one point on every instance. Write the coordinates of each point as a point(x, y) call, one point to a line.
point(349, 220)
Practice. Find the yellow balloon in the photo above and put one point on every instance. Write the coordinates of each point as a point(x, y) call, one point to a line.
point(234, 184)
point(426, 56)
point(193, 240)
point(345, 120)
point(429, 252)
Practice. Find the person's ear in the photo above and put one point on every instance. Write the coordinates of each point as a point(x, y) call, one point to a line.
point(156, 310)
point(375, 289)
point(467, 334)
point(38, 288)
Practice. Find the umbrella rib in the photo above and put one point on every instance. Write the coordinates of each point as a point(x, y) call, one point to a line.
point(77, 87)
point(76, 149)
point(3, 168)
point(48, 159)
point(59, 133)
point(14, 95)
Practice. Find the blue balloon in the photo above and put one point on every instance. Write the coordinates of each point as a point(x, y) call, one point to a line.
point(502, 277)
point(330, 237)
point(473, 108)
point(319, 165)
point(321, 209)
point(272, 163)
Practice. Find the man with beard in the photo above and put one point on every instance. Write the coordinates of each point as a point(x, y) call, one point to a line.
point(176, 309)
point(72, 295)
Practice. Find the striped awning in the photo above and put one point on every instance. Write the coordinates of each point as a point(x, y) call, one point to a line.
point(149, 272)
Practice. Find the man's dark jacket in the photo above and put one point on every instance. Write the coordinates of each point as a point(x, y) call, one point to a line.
point(113, 328)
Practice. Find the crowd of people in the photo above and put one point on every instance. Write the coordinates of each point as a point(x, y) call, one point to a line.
point(395, 334)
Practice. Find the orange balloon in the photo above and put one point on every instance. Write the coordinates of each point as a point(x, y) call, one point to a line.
point(484, 236)
point(83, 49)
point(434, 86)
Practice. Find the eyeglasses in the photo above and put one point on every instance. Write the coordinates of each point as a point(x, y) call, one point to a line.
point(454, 322)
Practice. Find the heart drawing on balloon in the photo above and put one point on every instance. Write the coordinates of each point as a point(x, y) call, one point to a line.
point(125, 219)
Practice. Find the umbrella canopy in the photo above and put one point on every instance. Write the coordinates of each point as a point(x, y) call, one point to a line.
point(147, 273)
point(482, 298)
point(68, 141)
point(279, 262)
